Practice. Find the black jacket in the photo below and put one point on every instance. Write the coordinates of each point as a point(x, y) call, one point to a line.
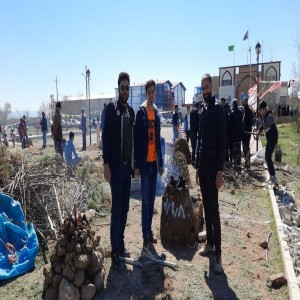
point(270, 128)
point(211, 139)
point(112, 134)
point(235, 126)
point(247, 119)
point(194, 120)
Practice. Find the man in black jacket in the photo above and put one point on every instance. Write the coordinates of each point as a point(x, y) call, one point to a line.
point(236, 134)
point(271, 133)
point(247, 129)
point(194, 130)
point(210, 163)
point(175, 122)
point(117, 137)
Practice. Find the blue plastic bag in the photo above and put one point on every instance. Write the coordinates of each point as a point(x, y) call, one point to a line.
point(14, 230)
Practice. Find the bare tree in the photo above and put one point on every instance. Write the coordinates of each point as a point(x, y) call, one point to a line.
point(44, 107)
point(5, 113)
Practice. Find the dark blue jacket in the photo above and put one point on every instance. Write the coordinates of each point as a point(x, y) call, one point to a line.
point(112, 135)
point(43, 123)
point(141, 138)
point(247, 119)
point(211, 138)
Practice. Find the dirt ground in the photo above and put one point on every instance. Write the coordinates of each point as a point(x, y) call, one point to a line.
point(246, 220)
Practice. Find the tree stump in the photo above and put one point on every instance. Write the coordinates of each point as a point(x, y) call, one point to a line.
point(181, 220)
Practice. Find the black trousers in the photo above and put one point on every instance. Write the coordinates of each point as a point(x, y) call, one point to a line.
point(268, 156)
point(207, 177)
point(188, 134)
point(193, 136)
point(246, 149)
point(235, 153)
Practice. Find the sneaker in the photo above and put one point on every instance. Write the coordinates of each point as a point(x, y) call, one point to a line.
point(206, 249)
point(273, 180)
point(218, 268)
point(152, 238)
point(116, 262)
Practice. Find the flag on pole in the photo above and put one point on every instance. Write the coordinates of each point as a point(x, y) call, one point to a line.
point(245, 36)
point(231, 48)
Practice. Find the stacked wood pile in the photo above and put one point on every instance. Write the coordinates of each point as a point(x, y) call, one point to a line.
point(76, 268)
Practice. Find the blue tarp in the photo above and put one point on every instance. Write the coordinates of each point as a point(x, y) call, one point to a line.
point(14, 230)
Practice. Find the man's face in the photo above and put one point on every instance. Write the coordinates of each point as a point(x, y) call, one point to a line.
point(261, 111)
point(223, 102)
point(245, 102)
point(176, 109)
point(150, 94)
point(82, 112)
point(124, 91)
point(206, 89)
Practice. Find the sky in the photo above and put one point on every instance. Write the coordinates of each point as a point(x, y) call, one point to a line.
point(159, 39)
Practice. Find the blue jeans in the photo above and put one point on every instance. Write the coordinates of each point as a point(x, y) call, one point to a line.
point(75, 161)
point(58, 147)
point(148, 187)
point(44, 138)
point(175, 133)
point(120, 191)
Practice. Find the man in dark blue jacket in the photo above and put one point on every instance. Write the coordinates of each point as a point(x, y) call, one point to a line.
point(236, 134)
point(148, 157)
point(227, 120)
point(247, 129)
point(194, 130)
point(175, 122)
point(210, 163)
point(271, 133)
point(117, 138)
point(44, 129)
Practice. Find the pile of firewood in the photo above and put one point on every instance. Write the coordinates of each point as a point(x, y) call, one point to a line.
point(76, 268)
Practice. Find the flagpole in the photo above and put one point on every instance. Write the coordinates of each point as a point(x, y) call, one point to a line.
point(233, 54)
point(250, 66)
point(247, 49)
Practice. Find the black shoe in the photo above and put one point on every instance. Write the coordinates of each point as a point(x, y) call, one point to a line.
point(116, 262)
point(152, 238)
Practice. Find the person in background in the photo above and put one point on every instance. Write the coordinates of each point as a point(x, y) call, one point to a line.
point(236, 134)
point(118, 144)
point(98, 130)
point(176, 123)
point(83, 129)
point(44, 128)
point(227, 119)
point(56, 130)
point(271, 133)
point(148, 158)
point(194, 130)
point(187, 123)
point(25, 124)
point(103, 117)
point(210, 164)
point(70, 150)
point(22, 133)
point(247, 129)
point(13, 136)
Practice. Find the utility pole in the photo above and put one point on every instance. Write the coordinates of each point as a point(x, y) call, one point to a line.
point(56, 90)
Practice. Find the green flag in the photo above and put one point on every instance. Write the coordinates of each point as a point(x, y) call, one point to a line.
point(231, 48)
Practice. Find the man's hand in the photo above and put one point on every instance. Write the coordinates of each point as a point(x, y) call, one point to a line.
point(219, 179)
point(197, 177)
point(137, 173)
point(161, 171)
point(107, 173)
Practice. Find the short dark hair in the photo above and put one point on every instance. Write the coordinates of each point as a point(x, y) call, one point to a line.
point(58, 104)
point(262, 104)
point(223, 99)
point(123, 76)
point(206, 76)
point(235, 103)
point(71, 134)
point(149, 83)
point(176, 105)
